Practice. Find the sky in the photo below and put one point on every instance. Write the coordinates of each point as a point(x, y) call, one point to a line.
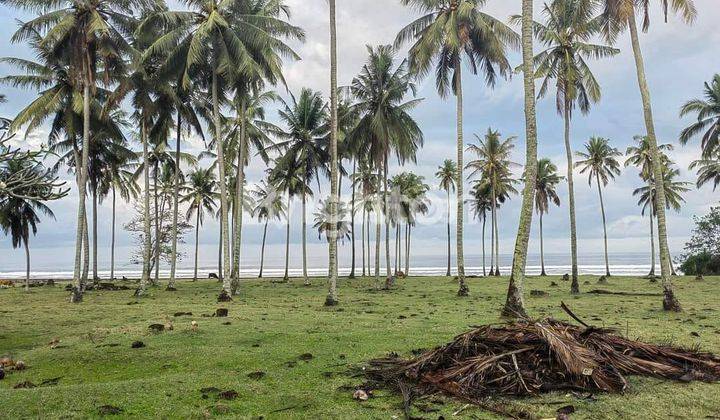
point(679, 59)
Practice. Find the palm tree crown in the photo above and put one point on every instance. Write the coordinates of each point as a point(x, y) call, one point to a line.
point(599, 160)
point(708, 119)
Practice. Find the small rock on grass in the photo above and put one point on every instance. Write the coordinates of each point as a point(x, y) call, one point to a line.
point(257, 375)
point(137, 344)
point(230, 394)
point(109, 410)
point(306, 357)
point(360, 395)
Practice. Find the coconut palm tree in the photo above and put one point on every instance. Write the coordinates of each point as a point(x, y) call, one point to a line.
point(323, 223)
point(200, 193)
point(447, 174)
point(447, 33)
point(82, 36)
point(366, 180)
point(120, 180)
point(494, 166)
point(415, 203)
point(708, 119)
point(600, 162)
point(545, 193)
point(288, 177)
point(647, 199)
point(332, 297)
point(708, 170)
point(640, 156)
point(19, 217)
point(269, 206)
point(620, 15)
point(302, 145)
point(385, 127)
point(480, 206)
point(567, 37)
point(228, 37)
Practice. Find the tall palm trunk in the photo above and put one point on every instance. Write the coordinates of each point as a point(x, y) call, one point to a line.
point(483, 245)
point(670, 302)
point(352, 221)
point(496, 244)
point(447, 273)
point(197, 241)
point(332, 297)
point(408, 228)
point(463, 289)
point(287, 242)
point(362, 242)
point(77, 291)
point(262, 249)
point(176, 207)
point(602, 210)
point(96, 278)
point(542, 249)
point(398, 257)
point(221, 277)
point(514, 305)
point(86, 251)
point(227, 286)
point(492, 241)
point(112, 238)
point(378, 213)
point(575, 285)
point(158, 222)
point(239, 200)
point(306, 279)
point(26, 241)
point(145, 278)
point(651, 274)
point(388, 266)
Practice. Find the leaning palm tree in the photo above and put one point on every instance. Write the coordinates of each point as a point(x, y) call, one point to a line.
point(599, 161)
point(19, 217)
point(385, 127)
point(493, 164)
point(447, 33)
point(89, 34)
point(200, 193)
point(302, 146)
point(567, 37)
point(647, 199)
point(620, 15)
point(447, 174)
point(269, 206)
point(222, 38)
point(545, 193)
point(708, 119)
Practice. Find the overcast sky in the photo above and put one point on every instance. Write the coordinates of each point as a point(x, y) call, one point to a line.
point(679, 59)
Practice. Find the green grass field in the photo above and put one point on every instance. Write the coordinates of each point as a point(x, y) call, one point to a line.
point(271, 325)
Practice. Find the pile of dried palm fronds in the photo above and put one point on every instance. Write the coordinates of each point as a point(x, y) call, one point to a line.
point(531, 357)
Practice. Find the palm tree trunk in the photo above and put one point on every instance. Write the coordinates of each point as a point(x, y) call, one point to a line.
point(96, 278)
point(77, 291)
point(378, 213)
point(496, 240)
point(652, 244)
point(156, 252)
point(408, 228)
point(221, 277)
point(362, 242)
point(239, 200)
point(492, 241)
point(352, 220)
point(112, 238)
point(262, 249)
point(26, 241)
point(542, 249)
point(497, 245)
point(602, 210)
point(483, 245)
point(145, 278)
point(388, 266)
point(306, 280)
point(463, 289)
point(332, 297)
point(227, 287)
point(197, 241)
point(86, 250)
point(575, 286)
point(176, 206)
point(670, 302)
point(398, 257)
point(287, 242)
point(447, 273)
point(514, 305)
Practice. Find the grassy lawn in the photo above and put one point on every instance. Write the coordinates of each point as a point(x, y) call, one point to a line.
point(271, 325)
